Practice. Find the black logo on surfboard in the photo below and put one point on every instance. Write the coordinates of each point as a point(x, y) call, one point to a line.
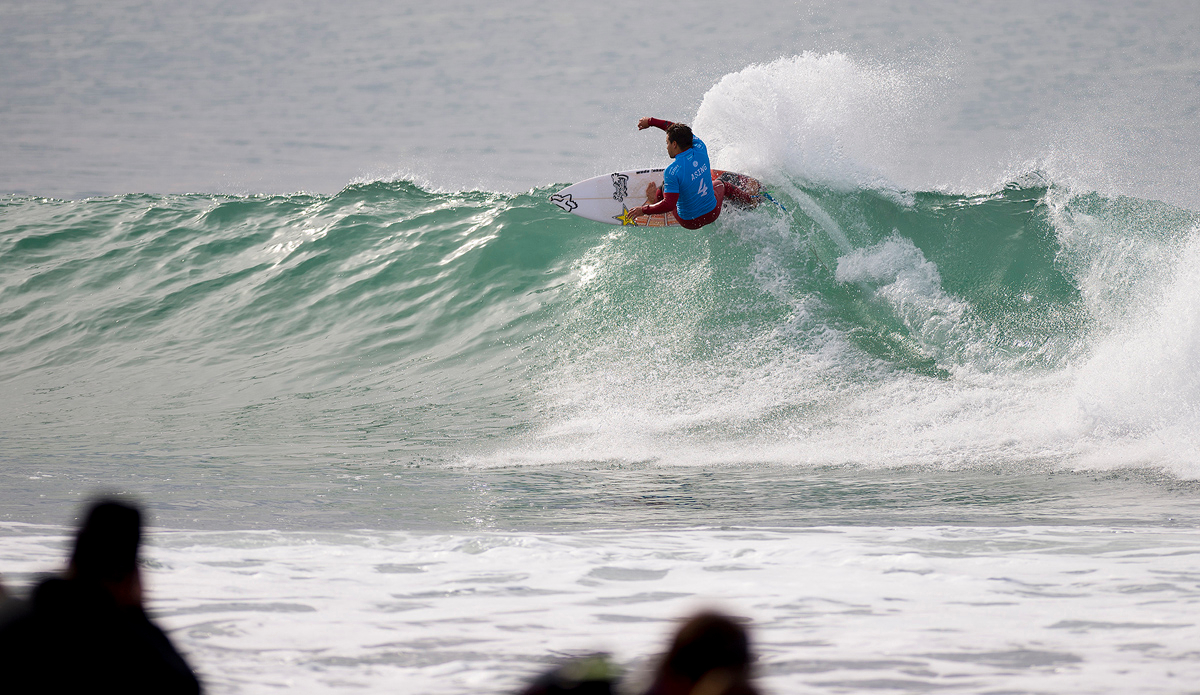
point(620, 187)
point(564, 202)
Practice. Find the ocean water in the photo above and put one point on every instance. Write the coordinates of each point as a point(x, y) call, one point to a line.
point(289, 275)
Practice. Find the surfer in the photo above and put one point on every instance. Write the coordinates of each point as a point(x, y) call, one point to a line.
point(688, 191)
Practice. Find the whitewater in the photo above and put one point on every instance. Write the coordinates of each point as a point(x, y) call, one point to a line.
point(924, 430)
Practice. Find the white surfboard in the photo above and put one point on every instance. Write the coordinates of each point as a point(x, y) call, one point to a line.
point(610, 197)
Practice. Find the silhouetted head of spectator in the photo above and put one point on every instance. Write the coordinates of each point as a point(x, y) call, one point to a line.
point(87, 631)
point(709, 654)
point(106, 549)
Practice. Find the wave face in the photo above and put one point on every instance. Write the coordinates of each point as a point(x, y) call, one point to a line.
point(1035, 326)
point(1026, 327)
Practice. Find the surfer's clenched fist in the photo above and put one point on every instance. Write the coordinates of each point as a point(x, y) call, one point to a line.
point(644, 123)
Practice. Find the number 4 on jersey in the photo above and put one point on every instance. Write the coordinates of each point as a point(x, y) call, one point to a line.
point(703, 188)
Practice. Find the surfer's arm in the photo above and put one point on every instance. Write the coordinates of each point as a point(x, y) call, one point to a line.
point(656, 122)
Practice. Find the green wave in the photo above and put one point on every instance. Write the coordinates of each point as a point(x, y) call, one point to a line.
point(389, 307)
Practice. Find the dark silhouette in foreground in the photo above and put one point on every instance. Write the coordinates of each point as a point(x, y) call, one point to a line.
point(589, 675)
point(86, 631)
point(710, 655)
point(10, 606)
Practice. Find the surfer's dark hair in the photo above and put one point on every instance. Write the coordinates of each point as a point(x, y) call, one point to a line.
point(681, 135)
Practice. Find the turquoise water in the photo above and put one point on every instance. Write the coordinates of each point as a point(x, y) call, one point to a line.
point(392, 340)
point(289, 275)
point(400, 439)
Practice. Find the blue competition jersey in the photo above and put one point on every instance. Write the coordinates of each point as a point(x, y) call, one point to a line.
point(691, 177)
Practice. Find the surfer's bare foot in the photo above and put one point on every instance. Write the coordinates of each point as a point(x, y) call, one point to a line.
point(651, 193)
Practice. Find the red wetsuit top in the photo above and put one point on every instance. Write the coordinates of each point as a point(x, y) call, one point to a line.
point(669, 200)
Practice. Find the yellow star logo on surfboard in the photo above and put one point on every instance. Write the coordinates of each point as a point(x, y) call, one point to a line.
point(625, 218)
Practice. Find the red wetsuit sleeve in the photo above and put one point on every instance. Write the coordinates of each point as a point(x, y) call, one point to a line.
point(667, 204)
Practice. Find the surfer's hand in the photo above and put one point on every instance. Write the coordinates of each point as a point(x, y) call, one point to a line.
point(637, 212)
point(644, 123)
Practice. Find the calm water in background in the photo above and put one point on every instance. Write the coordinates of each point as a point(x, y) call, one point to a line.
point(285, 96)
point(414, 430)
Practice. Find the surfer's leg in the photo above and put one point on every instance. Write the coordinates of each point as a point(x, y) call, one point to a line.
point(698, 222)
point(738, 196)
